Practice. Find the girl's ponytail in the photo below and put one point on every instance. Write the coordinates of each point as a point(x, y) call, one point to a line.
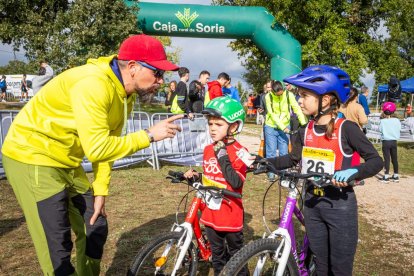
point(330, 128)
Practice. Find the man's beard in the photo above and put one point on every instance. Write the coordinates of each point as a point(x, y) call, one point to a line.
point(145, 95)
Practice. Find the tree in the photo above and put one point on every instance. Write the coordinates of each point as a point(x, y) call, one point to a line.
point(339, 32)
point(20, 67)
point(67, 32)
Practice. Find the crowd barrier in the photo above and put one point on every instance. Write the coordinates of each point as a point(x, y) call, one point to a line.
point(186, 148)
point(373, 129)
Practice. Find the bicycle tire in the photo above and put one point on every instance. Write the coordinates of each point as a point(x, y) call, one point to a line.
point(247, 255)
point(144, 262)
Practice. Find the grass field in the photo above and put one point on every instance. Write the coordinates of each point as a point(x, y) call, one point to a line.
point(143, 203)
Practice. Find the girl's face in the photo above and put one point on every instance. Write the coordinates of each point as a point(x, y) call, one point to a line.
point(308, 102)
point(172, 86)
point(219, 128)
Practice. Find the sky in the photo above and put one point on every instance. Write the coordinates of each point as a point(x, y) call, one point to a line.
point(197, 54)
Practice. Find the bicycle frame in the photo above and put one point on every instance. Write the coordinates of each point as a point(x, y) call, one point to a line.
point(287, 232)
point(190, 226)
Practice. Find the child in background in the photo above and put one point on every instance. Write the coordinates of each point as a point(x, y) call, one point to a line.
point(331, 213)
point(390, 129)
point(223, 168)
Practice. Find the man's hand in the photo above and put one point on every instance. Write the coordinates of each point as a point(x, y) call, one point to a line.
point(191, 116)
point(99, 208)
point(166, 128)
point(286, 130)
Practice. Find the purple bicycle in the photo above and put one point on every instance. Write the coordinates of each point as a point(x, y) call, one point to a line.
point(279, 254)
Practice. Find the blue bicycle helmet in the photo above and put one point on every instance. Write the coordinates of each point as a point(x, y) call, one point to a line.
point(323, 79)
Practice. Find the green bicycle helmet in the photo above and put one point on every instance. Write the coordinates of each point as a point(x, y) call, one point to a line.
point(228, 109)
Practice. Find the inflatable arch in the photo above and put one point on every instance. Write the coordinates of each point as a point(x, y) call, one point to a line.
point(230, 22)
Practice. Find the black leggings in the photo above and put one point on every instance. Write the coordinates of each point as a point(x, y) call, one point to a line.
point(223, 246)
point(389, 148)
point(332, 227)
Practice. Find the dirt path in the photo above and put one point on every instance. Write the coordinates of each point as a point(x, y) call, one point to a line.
point(388, 206)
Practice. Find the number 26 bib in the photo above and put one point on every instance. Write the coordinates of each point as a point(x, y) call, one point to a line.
point(318, 160)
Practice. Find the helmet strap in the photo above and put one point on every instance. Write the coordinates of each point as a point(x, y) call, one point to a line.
point(323, 112)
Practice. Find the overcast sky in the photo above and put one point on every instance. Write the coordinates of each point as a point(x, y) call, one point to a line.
point(197, 54)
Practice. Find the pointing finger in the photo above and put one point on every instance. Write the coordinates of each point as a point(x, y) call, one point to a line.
point(175, 117)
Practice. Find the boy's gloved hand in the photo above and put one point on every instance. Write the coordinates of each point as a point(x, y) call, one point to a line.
point(220, 149)
point(345, 175)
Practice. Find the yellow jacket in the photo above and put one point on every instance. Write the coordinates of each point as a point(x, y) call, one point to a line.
point(278, 110)
point(78, 113)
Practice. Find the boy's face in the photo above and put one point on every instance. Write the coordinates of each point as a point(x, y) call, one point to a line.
point(219, 128)
point(223, 82)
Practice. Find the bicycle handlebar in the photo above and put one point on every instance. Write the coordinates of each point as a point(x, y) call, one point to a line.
point(266, 166)
point(178, 177)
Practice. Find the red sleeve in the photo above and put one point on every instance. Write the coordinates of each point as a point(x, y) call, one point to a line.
point(215, 92)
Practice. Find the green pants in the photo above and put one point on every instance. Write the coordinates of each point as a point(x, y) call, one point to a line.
point(54, 201)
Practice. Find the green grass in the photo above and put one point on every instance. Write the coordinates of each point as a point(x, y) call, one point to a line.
point(143, 203)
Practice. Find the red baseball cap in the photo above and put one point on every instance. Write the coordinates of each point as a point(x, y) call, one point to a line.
point(146, 49)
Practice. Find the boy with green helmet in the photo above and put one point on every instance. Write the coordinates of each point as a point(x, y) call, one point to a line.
point(228, 109)
point(223, 167)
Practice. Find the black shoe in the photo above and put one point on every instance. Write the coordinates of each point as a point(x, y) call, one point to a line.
point(385, 179)
point(395, 178)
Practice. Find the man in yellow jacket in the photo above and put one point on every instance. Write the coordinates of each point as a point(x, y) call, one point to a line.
point(81, 112)
point(280, 104)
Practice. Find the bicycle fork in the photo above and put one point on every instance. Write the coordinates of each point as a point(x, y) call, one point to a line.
point(282, 233)
point(183, 246)
point(187, 235)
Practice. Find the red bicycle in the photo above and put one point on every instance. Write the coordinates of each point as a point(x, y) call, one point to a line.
point(175, 253)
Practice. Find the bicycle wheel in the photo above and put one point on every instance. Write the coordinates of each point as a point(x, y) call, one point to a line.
point(150, 260)
point(249, 255)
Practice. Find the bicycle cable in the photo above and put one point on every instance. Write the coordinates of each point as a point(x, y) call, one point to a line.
point(263, 208)
point(179, 204)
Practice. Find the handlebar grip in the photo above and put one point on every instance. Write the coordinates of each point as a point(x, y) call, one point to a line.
point(230, 193)
point(176, 174)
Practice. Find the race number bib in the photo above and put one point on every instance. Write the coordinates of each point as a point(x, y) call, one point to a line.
point(318, 160)
point(212, 202)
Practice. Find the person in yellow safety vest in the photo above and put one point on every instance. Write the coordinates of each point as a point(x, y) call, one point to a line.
point(180, 100)
point(215, 87)
point(279, 104)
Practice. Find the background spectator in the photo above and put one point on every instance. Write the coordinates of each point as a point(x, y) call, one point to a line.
point(44, 76)
point(170, 92)
point(363, 99)
point(214, 87)
point(196, 92)
point(3, 88)
point(231, 91)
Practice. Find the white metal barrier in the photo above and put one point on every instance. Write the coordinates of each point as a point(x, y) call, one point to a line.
point(186, 148)
point(373, 129)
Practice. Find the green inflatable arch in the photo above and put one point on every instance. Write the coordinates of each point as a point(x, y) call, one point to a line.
point(255, 23)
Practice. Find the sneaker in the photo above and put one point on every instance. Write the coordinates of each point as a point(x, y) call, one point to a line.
point(385, 179)
point(3, 101)
point(395, 178)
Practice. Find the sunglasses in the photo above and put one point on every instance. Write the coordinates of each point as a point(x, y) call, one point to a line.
point(159, 74)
